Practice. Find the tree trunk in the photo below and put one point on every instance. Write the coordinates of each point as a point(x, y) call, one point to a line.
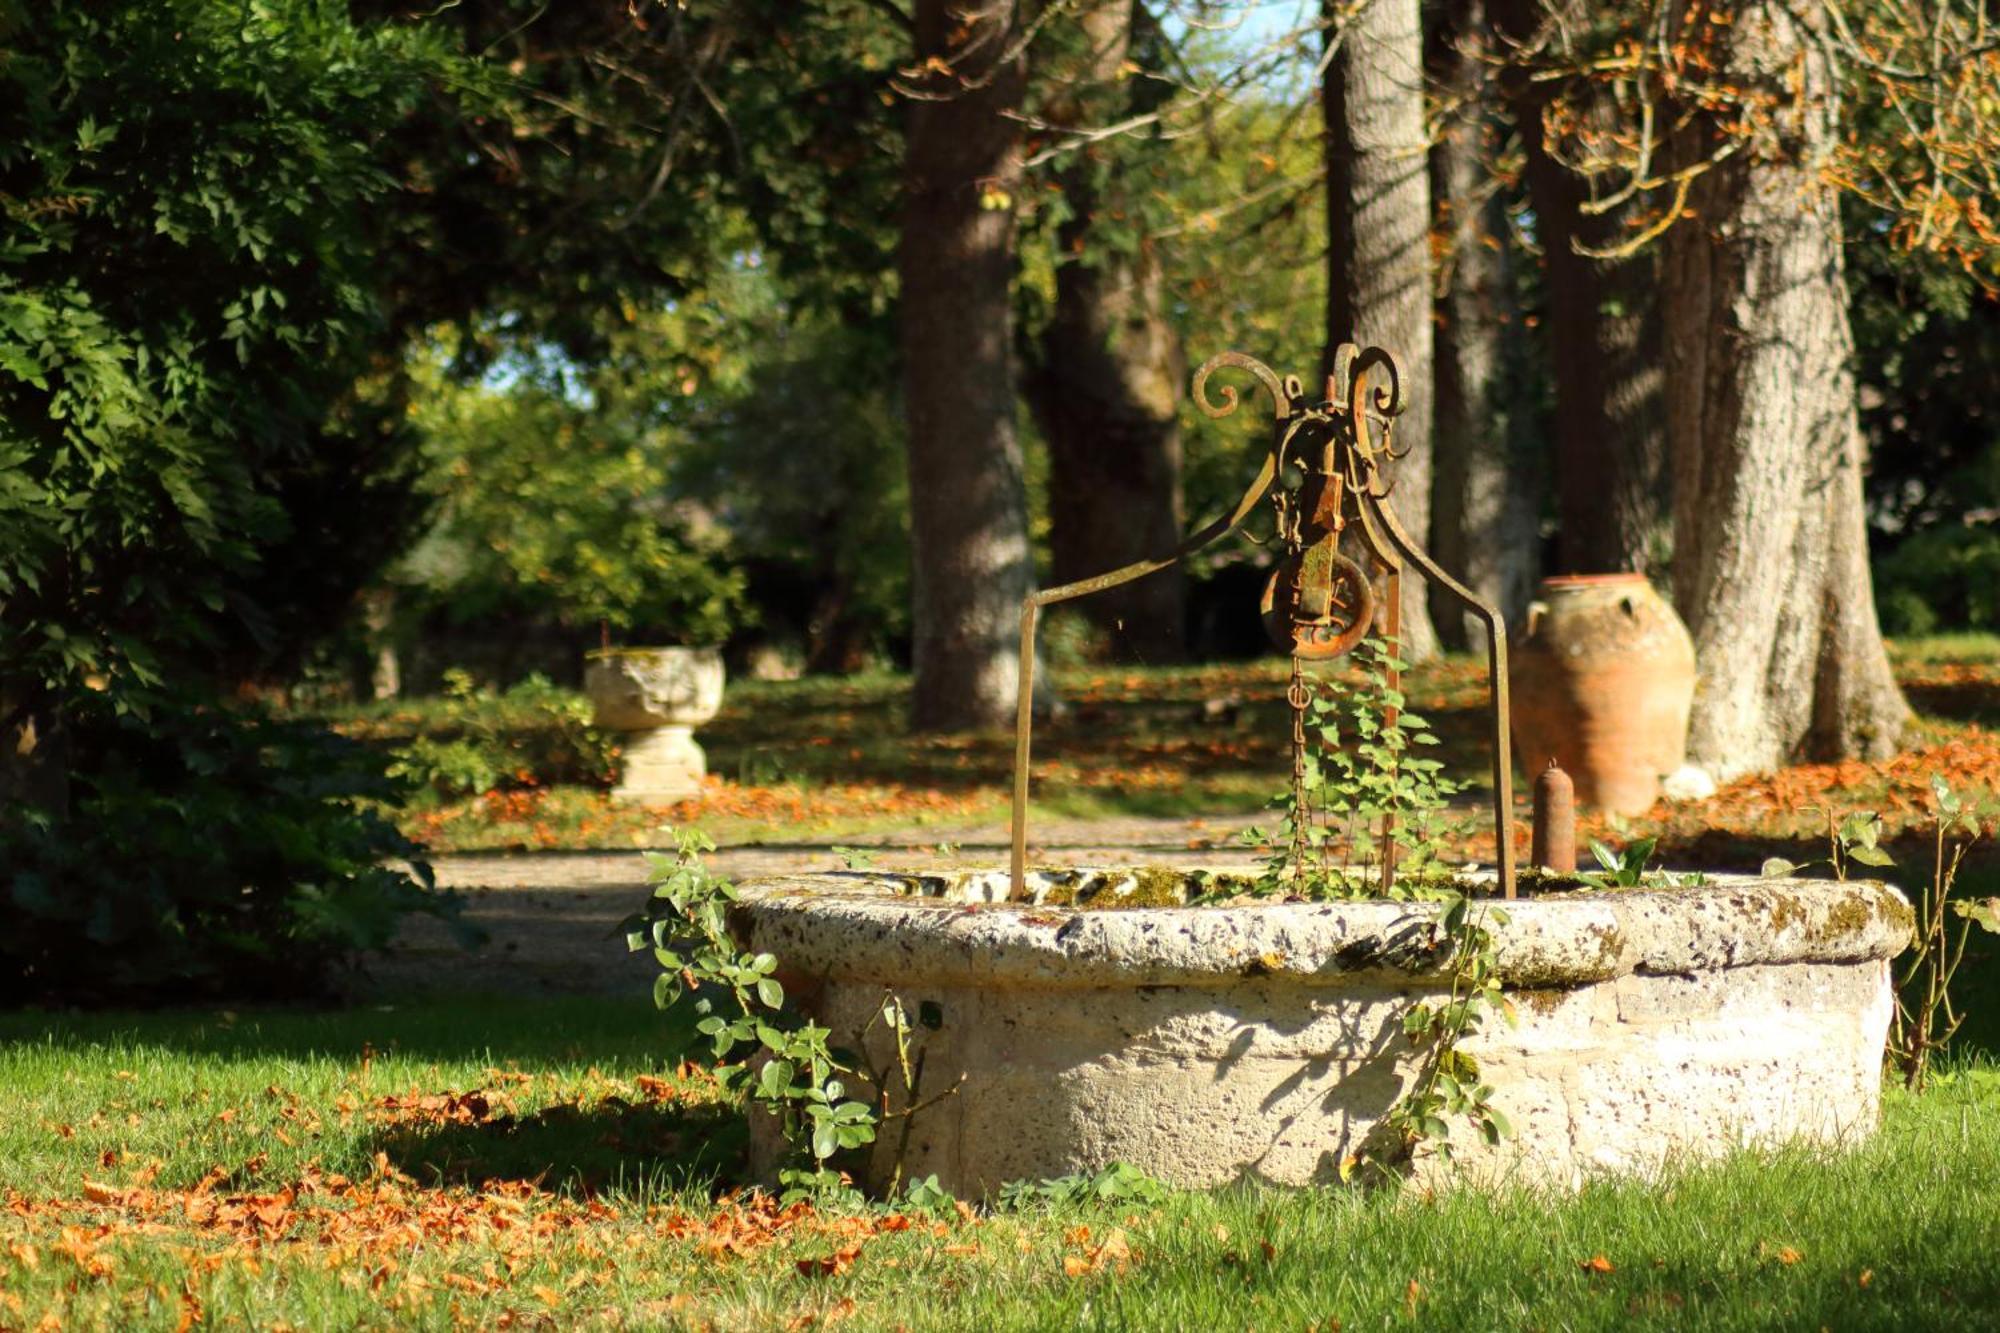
point(1770, 564)
point(1613, 497)
point(1107, 383)
point(378, 623)
point(1378, 238)
point(968, 508)
point(1484, 501)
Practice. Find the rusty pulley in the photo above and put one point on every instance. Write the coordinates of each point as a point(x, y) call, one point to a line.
point(1317, 604)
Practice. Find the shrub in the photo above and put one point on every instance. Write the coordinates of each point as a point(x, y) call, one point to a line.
point(1946, 577)
point(534, 734)
point(210, 851)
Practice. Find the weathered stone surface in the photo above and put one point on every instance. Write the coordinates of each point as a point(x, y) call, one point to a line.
point(636, 689)
point(656, 697)
point(1265, 1040)
point(660, 766)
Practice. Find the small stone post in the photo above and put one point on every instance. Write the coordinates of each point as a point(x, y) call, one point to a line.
point(1554, 845)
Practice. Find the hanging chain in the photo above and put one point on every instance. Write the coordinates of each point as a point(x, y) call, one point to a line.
point(1288, 529)
point(1299, 695)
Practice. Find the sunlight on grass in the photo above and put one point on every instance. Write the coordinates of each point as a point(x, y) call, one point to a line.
point(480, 1161)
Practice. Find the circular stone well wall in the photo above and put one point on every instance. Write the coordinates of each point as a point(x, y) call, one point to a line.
point(1209, 1044)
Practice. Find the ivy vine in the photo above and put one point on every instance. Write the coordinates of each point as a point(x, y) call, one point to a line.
point(1363, 761)
point(784, 1064)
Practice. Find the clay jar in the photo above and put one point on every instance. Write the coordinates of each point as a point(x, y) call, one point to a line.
point(1602, 675)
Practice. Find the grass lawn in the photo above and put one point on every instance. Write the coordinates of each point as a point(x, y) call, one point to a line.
point(499, 1162)
point(503, 1161)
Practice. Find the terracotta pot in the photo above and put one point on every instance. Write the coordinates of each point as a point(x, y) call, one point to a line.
point(1602, 675)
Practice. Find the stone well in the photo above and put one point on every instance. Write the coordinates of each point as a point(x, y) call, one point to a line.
point(1209, 1044)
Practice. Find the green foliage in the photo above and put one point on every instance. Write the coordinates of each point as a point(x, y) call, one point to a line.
point(206, 852)
point(533, 734)
point(1449, 1084)
point(1627, 868)
point(1120, 1182)
point(556, 501)
point(785, 1066)
point(1361, 765)
point(1851, 840)
point(1927, 1013)
point(1942, 577)
point(187, 300)
point(1925, 331)
point(1358, 768)
point(802, 448)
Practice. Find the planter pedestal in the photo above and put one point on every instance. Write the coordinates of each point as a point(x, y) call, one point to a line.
point(1265, 1041)
point(661, 766)
point(655, 698)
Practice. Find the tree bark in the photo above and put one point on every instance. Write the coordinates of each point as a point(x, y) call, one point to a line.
point(1612, 481)
point(378, 624)
point(968, 507)
point(1378, 239)
point(1770, 564)
point(1106, 383)
point(1484, 502)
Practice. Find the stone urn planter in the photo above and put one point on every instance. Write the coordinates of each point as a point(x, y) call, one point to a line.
point(1602, 677)
point(1265, 1040)
point(655, 698)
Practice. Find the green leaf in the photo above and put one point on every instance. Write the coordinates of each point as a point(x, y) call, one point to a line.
point(771, 993)
point(775, 1078)
point(1776, 867)
point(1870, 856)
point(1984, 911)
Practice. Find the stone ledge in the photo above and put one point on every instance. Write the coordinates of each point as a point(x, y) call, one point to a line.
point(943, 929)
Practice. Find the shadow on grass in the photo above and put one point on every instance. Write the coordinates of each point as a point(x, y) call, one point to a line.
point(1975, 701)
point(615, 1034)
point(579, 1150)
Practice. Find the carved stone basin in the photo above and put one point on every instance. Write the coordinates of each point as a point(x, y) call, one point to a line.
point(1265, 1040)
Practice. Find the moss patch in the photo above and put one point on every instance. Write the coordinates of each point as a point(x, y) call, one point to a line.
point(1142, 886)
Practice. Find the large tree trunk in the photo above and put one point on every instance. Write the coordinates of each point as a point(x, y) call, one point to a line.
point(1613, 498)
point(1484, 501)
point(1770, 554)
point(1378, 238)
point(968, 508)
point(1107, 382)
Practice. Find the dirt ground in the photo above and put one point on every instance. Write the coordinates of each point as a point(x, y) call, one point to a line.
point(551, 918)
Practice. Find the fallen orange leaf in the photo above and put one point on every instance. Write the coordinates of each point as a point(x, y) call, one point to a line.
point(833, 1265)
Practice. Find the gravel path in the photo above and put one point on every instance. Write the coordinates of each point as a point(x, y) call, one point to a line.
point(552, 917)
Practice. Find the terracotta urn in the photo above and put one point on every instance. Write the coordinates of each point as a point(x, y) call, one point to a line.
point(655, 698)
point(1602, 675)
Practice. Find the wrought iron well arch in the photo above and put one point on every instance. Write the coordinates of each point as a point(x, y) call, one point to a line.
point(1326, 473)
